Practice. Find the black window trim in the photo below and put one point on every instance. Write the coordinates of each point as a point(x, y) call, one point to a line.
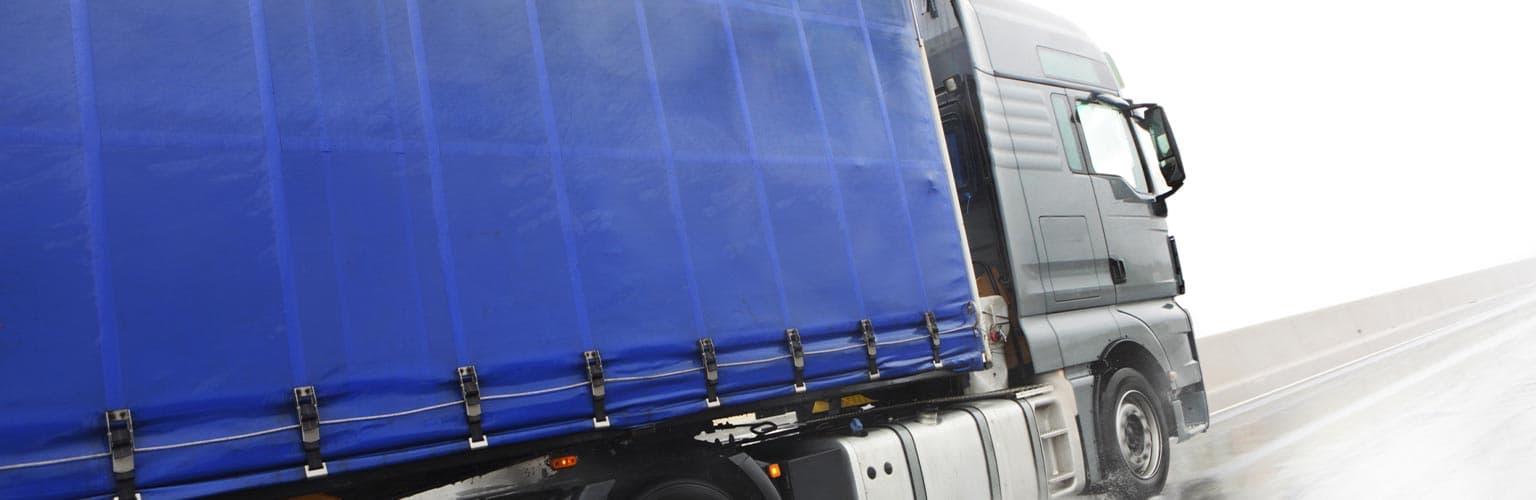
point(1082, 147)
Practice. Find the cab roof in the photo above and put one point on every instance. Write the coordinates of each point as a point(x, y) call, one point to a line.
point(1023, 41)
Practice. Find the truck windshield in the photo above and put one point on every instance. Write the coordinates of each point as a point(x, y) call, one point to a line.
point(1110, 150)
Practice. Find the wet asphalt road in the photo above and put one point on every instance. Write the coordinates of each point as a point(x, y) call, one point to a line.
point(1451, 414)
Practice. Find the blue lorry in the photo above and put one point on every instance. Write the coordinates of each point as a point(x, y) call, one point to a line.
point(535, 248)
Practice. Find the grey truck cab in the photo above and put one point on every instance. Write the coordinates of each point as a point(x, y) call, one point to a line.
point(1063, 186)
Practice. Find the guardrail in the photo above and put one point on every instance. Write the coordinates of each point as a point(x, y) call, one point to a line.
point(1252, 361)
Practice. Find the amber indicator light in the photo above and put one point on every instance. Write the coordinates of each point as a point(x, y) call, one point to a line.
point(564, 462)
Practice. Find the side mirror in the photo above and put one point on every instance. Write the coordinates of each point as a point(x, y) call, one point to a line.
point(1168, 161)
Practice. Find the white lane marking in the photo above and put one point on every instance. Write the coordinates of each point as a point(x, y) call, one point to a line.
point(1248, 459)
point(1222, 415)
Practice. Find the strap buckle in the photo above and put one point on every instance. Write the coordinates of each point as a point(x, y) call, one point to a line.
point(933, 338)
point(599, 391)
point(711, 372)
point(120, 447)
point(469, 387)
point(867, 331)
point(797, 356)
point(307, 404)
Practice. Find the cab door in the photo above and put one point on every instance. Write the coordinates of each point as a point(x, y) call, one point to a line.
point(1135, 227)
point(1070, 238)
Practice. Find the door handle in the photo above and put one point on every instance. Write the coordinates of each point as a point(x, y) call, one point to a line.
point(1117, 271)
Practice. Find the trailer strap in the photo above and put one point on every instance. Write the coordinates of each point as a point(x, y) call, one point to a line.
point(797, 356)
point(469, 387)
point(120, 447)
point(867, 330)
point(596, 379)
point(933, 338)
point(711, 372)
point(307, 405)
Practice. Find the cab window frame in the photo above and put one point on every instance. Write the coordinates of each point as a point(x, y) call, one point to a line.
point(1067, 121)
point(1079, 146)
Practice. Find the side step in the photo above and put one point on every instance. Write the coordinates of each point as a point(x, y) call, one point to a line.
point(1057, 442)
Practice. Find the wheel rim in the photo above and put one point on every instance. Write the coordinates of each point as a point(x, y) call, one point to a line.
point(1137, 429)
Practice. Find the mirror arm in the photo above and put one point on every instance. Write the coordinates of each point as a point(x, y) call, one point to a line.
point(1174, 189)
point(1116, 102)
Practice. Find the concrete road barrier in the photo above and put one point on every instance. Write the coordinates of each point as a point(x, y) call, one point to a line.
point(1249, 362)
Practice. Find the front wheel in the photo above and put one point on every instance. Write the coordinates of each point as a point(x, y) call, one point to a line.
point(1133, 436)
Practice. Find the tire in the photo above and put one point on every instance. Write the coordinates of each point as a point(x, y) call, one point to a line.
point(1132, 436)
point(683, 489)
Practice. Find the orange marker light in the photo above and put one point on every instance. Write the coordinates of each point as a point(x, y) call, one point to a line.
point(774, 471)
point(564, 462)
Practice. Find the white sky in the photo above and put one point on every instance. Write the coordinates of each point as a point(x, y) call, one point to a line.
point(1335, 150)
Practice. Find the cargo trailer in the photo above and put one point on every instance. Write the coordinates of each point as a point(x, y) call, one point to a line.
point(581, 249)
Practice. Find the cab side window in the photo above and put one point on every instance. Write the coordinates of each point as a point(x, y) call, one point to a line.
point(1065, 119)
point(1110, 147)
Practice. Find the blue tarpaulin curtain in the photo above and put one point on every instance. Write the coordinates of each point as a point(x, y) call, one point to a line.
point(204, 204)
